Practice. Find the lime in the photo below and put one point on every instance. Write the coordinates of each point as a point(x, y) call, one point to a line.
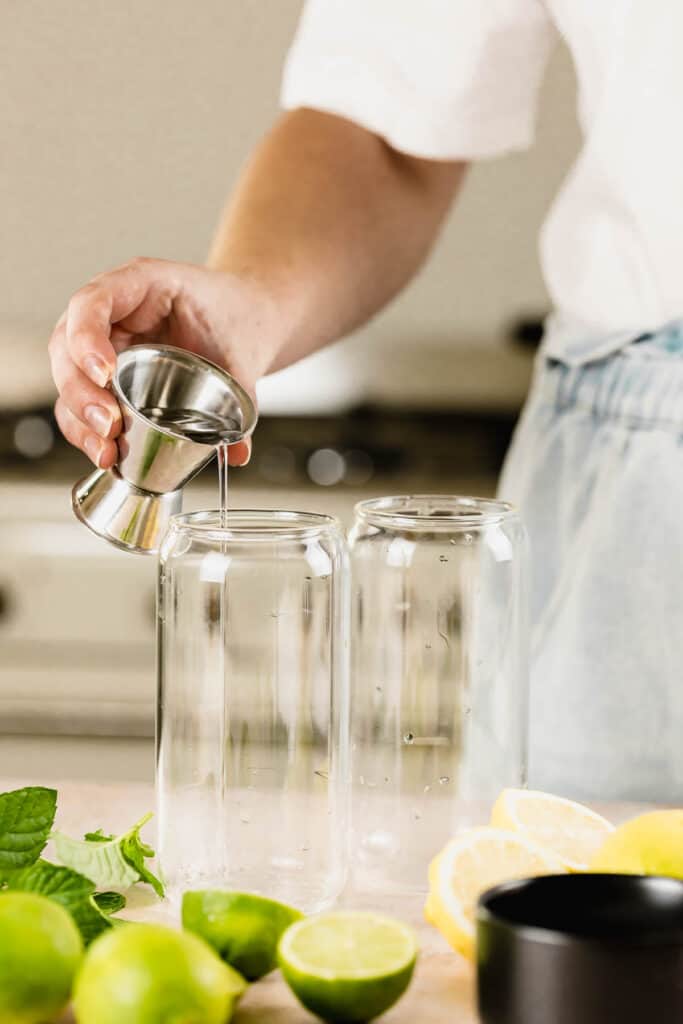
point(348, 966)
point(651, 844)
point(40, 951)
point(149, 974)
point(243, 929)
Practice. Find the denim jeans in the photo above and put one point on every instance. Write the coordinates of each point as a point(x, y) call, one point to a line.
point(596, 469)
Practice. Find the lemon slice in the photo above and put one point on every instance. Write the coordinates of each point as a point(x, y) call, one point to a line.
point(471, 864)
point(571, 831)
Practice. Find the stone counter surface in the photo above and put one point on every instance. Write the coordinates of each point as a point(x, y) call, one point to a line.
point(442, 991)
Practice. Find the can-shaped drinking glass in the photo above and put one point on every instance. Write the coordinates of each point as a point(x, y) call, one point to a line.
point(439, 677)
point(252, 717)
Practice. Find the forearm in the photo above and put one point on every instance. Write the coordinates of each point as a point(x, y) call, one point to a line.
point(333, 222)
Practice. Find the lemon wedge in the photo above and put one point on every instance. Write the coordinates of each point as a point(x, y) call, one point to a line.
point(572, 832)
point(651, 844)
point(472, 863)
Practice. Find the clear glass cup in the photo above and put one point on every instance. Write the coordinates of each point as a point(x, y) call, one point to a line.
point(252, 726)
point(439, 677)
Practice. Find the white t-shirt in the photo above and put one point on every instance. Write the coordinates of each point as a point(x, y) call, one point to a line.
point(459, 79)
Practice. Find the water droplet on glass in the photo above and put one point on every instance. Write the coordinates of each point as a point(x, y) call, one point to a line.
point(409, 737)
point(244, 818)
point(322, 774)
point(379, 689)
point(362, 780)
point(444, 780)
point(442, 558)
point(387, 779)
point(426, 789)
point(416, 816)
point(428, 647)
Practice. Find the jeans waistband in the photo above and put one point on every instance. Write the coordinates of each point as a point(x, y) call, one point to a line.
point(641, 384)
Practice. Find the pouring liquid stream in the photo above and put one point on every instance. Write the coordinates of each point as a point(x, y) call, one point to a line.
point(222, 453)
point(220, 431)
point(222, 449)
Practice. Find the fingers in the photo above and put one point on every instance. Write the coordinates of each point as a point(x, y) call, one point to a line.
point(240, 453)
point(88, 416)
point(100, 451)
point(137, 297)
point(94, 406)
point(100, 320)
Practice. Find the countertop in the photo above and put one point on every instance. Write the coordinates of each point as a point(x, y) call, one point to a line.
point(442, 991)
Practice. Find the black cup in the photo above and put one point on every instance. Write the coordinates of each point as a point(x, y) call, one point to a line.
point(581, 949)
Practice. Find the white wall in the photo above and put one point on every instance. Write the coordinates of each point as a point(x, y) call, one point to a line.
point(124, 123)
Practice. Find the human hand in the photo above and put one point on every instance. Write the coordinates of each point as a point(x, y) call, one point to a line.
point(227, 318)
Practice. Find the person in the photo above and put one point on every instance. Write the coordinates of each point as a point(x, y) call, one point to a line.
point(385, 105)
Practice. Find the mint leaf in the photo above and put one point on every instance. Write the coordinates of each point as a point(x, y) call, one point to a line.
point(90, 920)
point(71, 890)
point(110, 860)
point(109, 902)
point(26, 817)
point(97, 837)
point(135, 852)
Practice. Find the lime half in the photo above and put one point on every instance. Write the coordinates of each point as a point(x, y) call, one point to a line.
point(244, 929)
point(348, 966)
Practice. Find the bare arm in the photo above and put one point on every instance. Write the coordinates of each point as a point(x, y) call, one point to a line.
point(333, 222)
point(325, 226)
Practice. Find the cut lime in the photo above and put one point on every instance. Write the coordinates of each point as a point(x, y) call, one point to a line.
point(243, 929)
point(150, 974)
point(348, 966)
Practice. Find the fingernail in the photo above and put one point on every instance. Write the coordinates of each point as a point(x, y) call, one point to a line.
point(93, 448)
point(97, 370)
point(99, 419)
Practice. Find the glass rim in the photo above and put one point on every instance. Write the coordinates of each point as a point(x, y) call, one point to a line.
point(451, 512)
point(256, 524)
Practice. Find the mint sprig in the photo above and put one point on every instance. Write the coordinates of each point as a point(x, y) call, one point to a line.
point(71, 890)
point(26, 817)
point(117, 861)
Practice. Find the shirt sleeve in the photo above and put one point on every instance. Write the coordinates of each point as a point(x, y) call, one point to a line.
point(440, 79)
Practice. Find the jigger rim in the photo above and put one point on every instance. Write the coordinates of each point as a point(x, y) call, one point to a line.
point(190, 360)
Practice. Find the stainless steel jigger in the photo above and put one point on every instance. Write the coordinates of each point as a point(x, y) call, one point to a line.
point(176, 407)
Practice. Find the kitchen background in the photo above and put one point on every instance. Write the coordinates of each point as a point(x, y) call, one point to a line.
point(124, 126)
